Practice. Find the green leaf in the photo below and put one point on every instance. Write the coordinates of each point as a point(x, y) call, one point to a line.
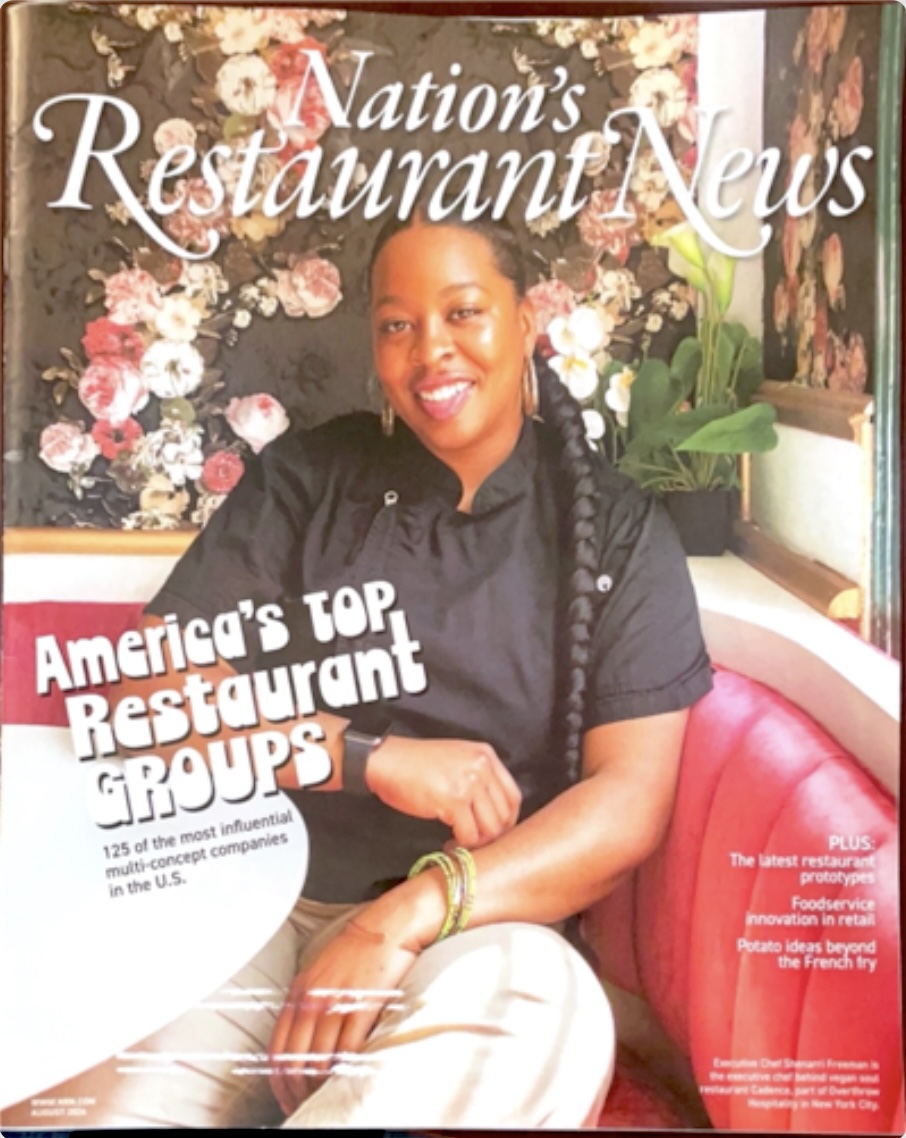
point(179, 409)
point(750, 373)
point(686, 364)
point(684, 424)
point(738, 333)
point(749, 431)
point(653, 394)
point(656, 439)
point(723, 364)
point(238, 126)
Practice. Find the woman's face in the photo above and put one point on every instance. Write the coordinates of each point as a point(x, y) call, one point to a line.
point(450, 339)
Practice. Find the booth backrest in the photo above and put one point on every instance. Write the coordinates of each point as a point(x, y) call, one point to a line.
point(762, 780)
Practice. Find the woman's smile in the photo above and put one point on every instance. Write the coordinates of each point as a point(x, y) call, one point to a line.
point(443, 398)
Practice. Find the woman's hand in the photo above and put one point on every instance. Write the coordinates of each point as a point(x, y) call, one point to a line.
point(460, 783)
point(335, 1002)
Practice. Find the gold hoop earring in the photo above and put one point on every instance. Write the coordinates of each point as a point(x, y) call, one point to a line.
point(530, 388)
point(388, 419)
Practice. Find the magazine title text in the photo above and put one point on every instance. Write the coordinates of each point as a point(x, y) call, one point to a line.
point(552, 178)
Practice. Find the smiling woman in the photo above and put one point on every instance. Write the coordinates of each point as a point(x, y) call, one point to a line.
point(418, 980)
point(452, 339)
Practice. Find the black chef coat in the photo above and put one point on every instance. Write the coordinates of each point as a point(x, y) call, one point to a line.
point(482, 592)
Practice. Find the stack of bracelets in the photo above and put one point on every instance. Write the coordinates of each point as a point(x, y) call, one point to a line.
point(459, 871)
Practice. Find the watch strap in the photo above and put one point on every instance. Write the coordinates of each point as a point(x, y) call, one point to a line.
point(357, 747)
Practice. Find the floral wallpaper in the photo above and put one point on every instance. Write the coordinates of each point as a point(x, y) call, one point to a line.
point(175, 371)
point(821, 88)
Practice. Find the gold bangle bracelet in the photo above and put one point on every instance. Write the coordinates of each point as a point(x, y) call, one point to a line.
point(467, 865)
point(455, 879)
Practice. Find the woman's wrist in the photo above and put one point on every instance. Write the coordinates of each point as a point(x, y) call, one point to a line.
point(383, 760)
point(412, 913)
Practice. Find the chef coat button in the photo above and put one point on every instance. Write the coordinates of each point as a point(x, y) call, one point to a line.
point(391, 497)
point(604, 583)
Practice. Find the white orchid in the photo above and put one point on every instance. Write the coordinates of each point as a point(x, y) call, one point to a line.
point(574, 338)
point(619, 394)
point(585, 330)
point(578, 372)
point(594, 425)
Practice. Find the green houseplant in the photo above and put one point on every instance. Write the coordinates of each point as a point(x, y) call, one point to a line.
point(684, 423)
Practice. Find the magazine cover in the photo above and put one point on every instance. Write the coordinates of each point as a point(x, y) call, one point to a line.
point(451, 571)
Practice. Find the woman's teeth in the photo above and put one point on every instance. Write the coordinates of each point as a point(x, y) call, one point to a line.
point(448, 391)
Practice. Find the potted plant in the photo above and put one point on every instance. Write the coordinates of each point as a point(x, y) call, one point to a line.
point(681, 425)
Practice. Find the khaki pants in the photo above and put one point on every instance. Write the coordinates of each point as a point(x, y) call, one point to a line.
point(501, 1026)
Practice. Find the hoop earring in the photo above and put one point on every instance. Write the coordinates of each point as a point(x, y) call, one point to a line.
point(388, 419)
point(530, 388)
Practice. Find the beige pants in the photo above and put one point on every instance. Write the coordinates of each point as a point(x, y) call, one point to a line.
point(502, 1026)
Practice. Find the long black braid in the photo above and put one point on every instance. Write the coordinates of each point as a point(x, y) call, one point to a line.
point(561, 412)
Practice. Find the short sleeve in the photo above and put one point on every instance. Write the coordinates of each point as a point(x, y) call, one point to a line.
point(648, 655)
point(248, 549)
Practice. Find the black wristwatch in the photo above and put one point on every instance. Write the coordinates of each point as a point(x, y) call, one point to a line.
point(357, 747)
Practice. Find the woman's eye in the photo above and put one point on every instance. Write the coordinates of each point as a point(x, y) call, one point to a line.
point(466, 312)
point(391, 327)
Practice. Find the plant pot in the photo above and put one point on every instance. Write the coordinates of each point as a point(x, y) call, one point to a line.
point(703, 519)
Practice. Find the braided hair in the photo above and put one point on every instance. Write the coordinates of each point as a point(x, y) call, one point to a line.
point(562, 413)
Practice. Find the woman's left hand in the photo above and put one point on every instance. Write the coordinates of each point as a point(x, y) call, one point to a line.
point(334, 1004)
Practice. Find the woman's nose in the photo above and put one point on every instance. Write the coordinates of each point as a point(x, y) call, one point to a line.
point(434, 341)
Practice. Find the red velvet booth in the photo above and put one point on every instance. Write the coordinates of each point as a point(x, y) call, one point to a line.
point(759, 777)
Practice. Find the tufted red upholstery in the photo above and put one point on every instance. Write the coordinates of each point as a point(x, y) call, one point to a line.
point(758, 775)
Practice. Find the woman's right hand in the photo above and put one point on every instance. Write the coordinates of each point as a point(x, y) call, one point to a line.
point(460, 783)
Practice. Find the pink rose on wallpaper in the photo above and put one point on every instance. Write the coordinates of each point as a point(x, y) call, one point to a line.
point(105, 337)
point(132, 296)
point(832, 269)
point(550, 299)
point(305, 125)
point(190, 229)
point(822, 328)
point(781, 305)
point(116, 438)
point(309, 287)
point(222, 470)
point(614, 235)
point(113, 389)
point(687, 124)
point(847, 364)
point(257, 419)
point(65, 446)
point(817, 35)
point(791, 246)
point(850, 99)
point(290, 62)
point(801, 140)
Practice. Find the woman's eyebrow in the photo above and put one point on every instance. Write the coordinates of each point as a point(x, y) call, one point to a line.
point(391, 299)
